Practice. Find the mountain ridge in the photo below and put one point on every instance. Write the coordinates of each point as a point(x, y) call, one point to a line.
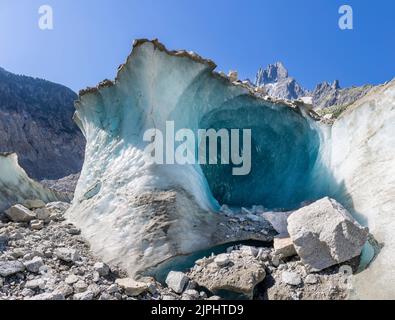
point(36, 123)
point(277, 82)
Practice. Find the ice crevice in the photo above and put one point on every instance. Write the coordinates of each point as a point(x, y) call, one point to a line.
point(144, 214)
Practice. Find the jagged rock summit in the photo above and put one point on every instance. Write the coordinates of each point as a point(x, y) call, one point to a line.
point(276, 82)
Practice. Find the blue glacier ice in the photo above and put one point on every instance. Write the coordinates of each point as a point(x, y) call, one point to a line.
point(140, 214)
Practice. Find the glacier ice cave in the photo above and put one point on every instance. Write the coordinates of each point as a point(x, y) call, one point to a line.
point(277, 180)
point(140, 214)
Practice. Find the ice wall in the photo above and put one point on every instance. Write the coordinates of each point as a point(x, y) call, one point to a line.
point(363, 163)
point(139, 214)
point(16, 186)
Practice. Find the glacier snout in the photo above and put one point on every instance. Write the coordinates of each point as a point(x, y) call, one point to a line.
point(139, 213)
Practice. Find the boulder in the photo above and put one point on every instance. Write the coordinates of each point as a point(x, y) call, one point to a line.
point(102, 268)
point(86, 295)
point(240, 276)
point(291, 278)
point(57, 207)
point(37, 224)
point(311, 279)
point(325, 234)
point(132, 288)
point(278, 220)
point(42, 214)
point(284, 247)
point(8, 268)
point(35, 283)
point(71, 279)
point(190, 295)
point(34, 204)
point(19, 213)
point(34, 265)
point(67, 255)
point(222, 260)
point(80, 286)
point(176, 281)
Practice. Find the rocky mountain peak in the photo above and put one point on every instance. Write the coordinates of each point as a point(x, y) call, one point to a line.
point(273, 73)
point(277, 83)
point(336, 85)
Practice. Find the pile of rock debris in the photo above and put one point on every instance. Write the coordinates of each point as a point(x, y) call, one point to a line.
point(43, 257)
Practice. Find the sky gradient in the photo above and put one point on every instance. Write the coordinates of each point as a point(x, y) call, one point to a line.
point(91, 38)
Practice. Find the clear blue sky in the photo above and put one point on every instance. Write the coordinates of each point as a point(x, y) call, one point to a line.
point(92, 37)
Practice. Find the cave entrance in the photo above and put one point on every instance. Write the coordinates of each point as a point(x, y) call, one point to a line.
point(284, 153)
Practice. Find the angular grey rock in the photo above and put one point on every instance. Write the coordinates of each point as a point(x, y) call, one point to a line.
point(87, 295)
point(8, 268)
point(48, 296)
point(214, 298)
point(222, 260)
point(19, 213)
point(177, 281)
point(241, 276)
point(102, 268)
point(57, 207)
point(278, 220)
point(66, 254)
point(190, 295)
point(27, 292)
point(291, 278)
point(71, 279)
point(80, 286)
point(311, 279)
point(34, 204)
point(325, 234)
point(132, 288)
point(249, 251)
point(42, 214)
point(34, 265)
point(284, 247)
point(112, 289)
point(37, 224)
point(74, 231)
point(34, 284)
point(64, 289)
